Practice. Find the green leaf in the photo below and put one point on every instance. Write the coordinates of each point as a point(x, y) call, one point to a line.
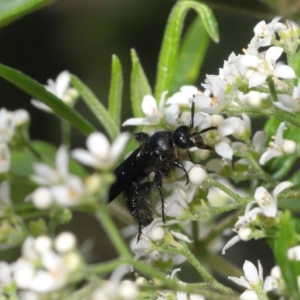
point(170, 45)
point(96, 107)
point(37, 91)
point(115, 91)
point(290, 269)
point(190, 58)
point(139, 85)
point(11, 10)
point(296, 65)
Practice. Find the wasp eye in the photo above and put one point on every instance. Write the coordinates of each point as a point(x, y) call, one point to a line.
point(181, 137)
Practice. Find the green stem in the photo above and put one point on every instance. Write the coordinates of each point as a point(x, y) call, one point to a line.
point(65, 133)
point(218, 229)
point(107, 267)
point(209, 181)
point(221, 266)
point(213, 283)
point(275, 112)
point(85, 292)
point(272, 89)
point(260, 172)
point(112, 232)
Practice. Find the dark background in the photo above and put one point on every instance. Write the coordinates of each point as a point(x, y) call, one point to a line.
point(81, 36)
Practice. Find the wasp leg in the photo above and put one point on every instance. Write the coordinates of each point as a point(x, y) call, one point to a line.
point(139, 204)
point(199, 140)
point(180, 166)
point(141, 137)
point(158, 184)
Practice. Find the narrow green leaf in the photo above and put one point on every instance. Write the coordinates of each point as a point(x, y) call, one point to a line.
point(290, 269)
point(169, 49)
point(139, 85)
point(115, 91)
point(11, 10)
point(209, 21)
point(296, 65)
point(37, 91)
point(96, 107)
point(190, 58)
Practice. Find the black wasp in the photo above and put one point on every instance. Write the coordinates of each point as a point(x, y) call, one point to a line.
point(160, 154)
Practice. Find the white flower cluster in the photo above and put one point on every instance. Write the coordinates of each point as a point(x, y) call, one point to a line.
point(115, 288)
point(247, 224)
point(56, 185)
point(164, 295)
point(44, 266)
point(255, 284)
point(9, 123)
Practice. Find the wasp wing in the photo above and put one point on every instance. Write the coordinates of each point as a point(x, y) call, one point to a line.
point(134, 167)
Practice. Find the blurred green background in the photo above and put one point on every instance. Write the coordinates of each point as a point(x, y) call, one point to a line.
point(81, 36)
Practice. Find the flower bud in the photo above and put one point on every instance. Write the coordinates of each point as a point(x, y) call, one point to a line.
point(65, 242)
point(244, 233)
point(197, 175)
point(289, 147)
point(157, 234)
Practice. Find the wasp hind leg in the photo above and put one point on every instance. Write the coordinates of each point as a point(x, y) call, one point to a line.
point(158, 185)
point(139, 204)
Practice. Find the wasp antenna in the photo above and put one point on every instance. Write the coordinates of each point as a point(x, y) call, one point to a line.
point(207, 129)
point(192, 115)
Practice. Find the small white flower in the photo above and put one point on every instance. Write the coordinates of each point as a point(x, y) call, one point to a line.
point(290, 103)
point(213, 104)
point(256, 99)
point(264, 65)
point(60, 88)
point(40, 269)
point(240, 128)
point(9, 121)
point(23, 273)
point(253, 276)
point(279, 146)
point(101, 155)
point(5, 274)
point(274, 282)
point(6, 126)
point(153, 113)
point(57, 184)
point(249, 295)
point(46, 175)
point(294, 253)
point(184, 96)
point(70, 192)
point(42, 243)
point(266, 32)
point(65, 242)
point(266, 202)
point(41, 198)
point(128, 290)
point(4, 158)
point(259, 140)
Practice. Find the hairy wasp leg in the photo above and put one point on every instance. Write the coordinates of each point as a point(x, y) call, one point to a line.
point(180, 166)
point(158, 184)
point(139, 203)
point(141, 137)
